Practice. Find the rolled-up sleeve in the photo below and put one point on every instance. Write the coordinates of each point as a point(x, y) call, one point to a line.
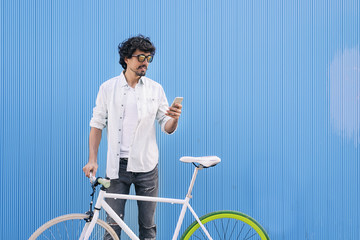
point(163, 107)
point(100, 112)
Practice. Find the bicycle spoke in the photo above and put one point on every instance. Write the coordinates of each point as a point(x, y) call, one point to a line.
point(78, 233)
point(52, 234)
point(66, 231)
point(251, 236)
point(247, 234)
point(203, 233)
point(197, 237)
point(49, 238)
point(222, 226)
point(217, 231)
point(242, 228)
point(97, 234)
point(226, 229)
point(233, 229)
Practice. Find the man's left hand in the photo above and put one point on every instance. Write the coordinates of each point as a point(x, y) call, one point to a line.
point(174, 111)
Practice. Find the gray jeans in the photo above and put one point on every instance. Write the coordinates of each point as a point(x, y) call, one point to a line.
point(146, 184)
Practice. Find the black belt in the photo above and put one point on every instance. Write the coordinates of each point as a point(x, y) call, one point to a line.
point(123, 160)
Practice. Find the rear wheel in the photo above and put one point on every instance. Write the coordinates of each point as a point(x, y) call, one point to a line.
point(226, 225)
point(70, 227)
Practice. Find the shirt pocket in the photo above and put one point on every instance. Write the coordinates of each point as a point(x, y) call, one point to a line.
point(152, 105)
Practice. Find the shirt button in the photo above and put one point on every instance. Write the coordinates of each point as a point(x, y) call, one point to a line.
point(119, 129)
point(120, 117)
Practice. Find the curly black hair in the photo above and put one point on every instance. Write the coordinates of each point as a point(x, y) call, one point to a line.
point(129, 46)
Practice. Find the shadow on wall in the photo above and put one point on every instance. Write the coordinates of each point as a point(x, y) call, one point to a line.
point(345, 94)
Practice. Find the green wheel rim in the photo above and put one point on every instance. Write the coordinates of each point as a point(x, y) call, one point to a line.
point(226, 214)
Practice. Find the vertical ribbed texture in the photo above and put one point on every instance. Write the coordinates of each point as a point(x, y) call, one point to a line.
point(271, 87)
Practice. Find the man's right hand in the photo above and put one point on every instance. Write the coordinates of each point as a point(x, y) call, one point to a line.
point(91, 166)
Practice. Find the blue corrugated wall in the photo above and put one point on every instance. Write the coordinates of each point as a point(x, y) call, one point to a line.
point(272, 87)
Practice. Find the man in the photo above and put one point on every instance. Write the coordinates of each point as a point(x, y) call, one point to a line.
point(128, 105)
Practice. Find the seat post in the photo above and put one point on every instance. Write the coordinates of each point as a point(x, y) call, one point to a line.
point(193, 181)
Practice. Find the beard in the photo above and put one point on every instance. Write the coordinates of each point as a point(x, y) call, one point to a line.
point(140, 71)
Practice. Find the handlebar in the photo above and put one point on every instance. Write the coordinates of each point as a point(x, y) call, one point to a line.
point(105, 182)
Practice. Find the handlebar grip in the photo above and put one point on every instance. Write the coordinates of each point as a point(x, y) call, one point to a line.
point(104, 182)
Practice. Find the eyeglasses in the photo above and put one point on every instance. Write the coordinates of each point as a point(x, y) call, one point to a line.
point(142, 57)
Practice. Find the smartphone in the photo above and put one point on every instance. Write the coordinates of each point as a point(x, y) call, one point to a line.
point(177, 100)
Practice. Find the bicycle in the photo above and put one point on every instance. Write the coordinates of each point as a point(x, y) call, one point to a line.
point(224, 224)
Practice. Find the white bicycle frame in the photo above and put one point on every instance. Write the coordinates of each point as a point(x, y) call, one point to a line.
point(100, 203)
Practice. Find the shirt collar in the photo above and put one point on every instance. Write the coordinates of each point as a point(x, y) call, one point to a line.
point(142, 80)
point(123, 82)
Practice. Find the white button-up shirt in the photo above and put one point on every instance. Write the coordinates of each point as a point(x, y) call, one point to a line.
point(109, 112)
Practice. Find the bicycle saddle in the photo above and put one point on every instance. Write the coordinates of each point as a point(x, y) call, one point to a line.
point(208, 161)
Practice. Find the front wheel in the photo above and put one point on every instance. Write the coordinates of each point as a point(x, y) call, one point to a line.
point(70, 227)
point(226, 225)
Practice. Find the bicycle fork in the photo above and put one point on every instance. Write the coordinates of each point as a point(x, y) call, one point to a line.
point(100, 203)
point(89, 226)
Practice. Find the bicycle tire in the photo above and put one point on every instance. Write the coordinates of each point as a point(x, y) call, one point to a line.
point(70, 227)
point(226, 225)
